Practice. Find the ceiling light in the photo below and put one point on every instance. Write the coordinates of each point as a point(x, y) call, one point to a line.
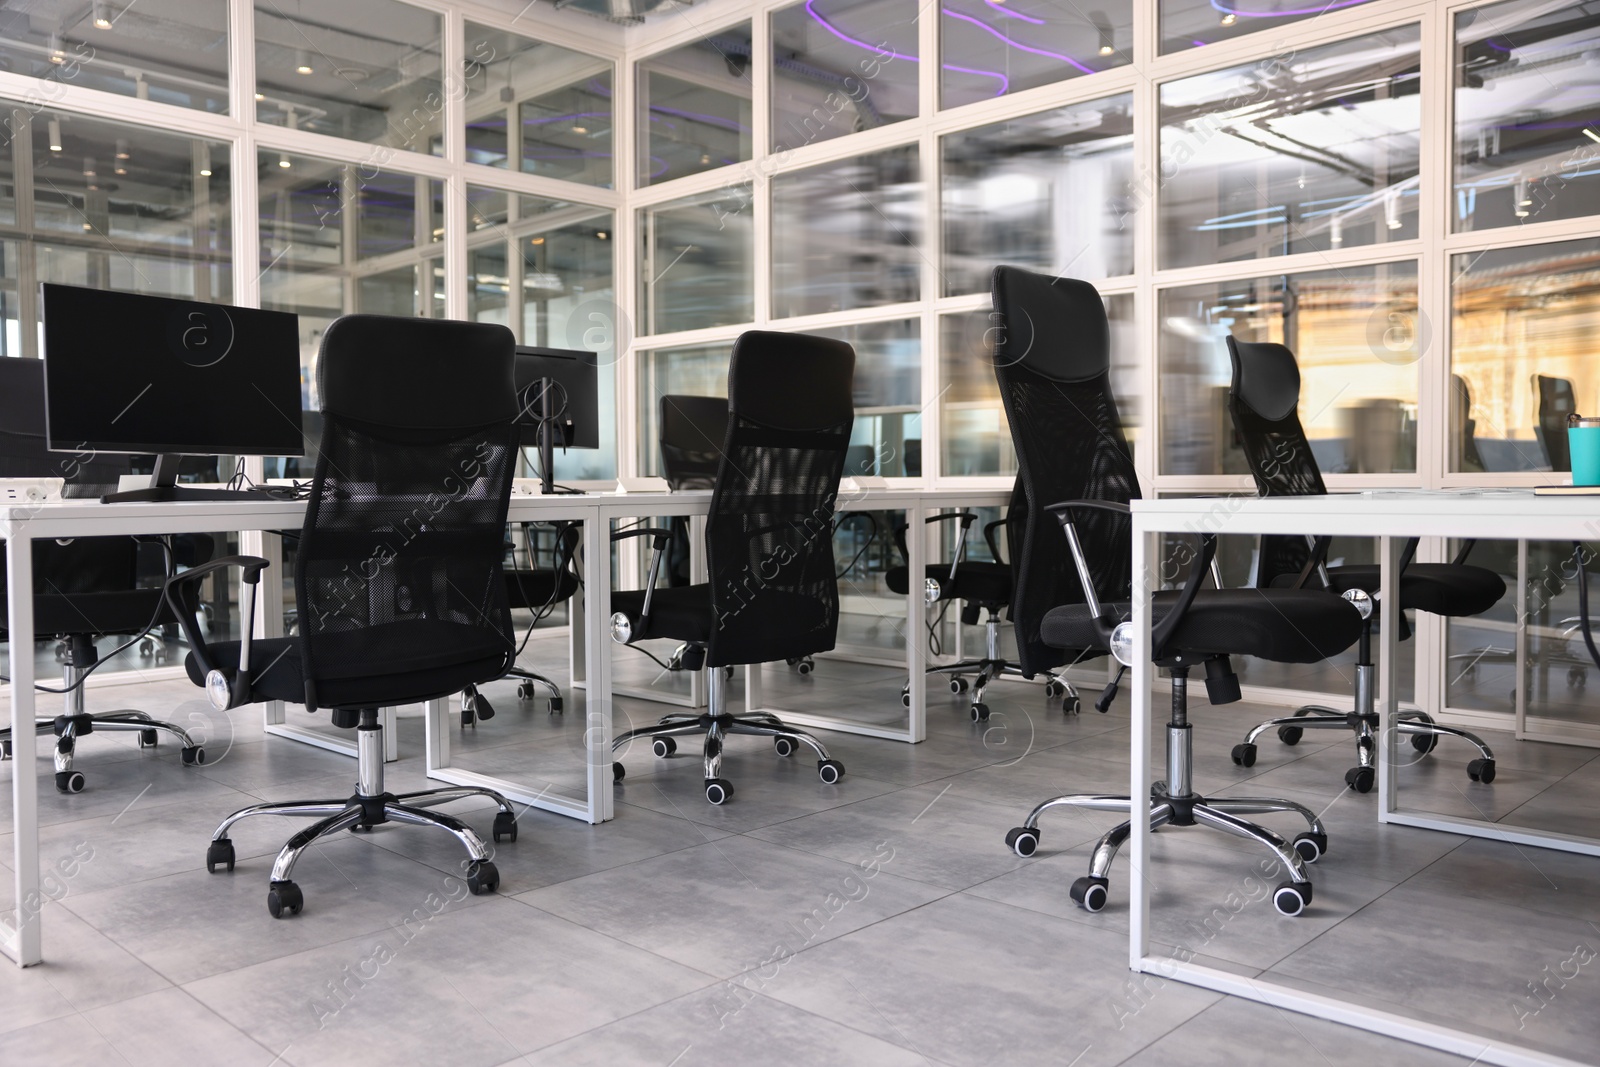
point(260, 97)
point(537, 241)
point(580, 129)
point(602, 235)
point(141, 88)
point(55, 135)
point(303, 68)
point(102, 18)
point(283, 161)
point(122, 148)
point(1107, 50)
point(88, 166)
point(205, 172)
point(1587, 132)
point(302, 63)
point(1335, 232)
point(1229, 18)
point(58, 55)
point(1391, 210)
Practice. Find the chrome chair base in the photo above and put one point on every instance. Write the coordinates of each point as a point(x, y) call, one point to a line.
point(1419, 726)
point(717, 726)
point(991, 666)
point(475, 707)
point(368, 807)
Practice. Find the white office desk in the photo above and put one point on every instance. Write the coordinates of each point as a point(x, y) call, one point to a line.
point(20, 525)
point(1392, 516)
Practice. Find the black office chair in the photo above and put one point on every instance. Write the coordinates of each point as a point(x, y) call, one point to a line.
point(85, 588)
point(398, 580)
point(1461, 409)
point(773, 592)
point(536, 589)
point(1264, 401)
point(1053, 362)
point(1556, 401)
point(985, 589)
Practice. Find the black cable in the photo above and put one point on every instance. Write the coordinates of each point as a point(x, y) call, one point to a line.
point(872, 539)
point(935, 642)
point(1583, 602)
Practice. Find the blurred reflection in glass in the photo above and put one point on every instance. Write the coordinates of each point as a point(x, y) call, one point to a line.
point(976, 435)
point(537, 107)
point(1355, 333)
point(1304, 152)
point(686, 370)
point(839, 66)
point(847, 234)
point(1523, 324)
point(991, 50)
point(1046, 191)
point(1194, 23)
point(696, 262)
point(694, 106)
point(1526, 89)
point(886, 440)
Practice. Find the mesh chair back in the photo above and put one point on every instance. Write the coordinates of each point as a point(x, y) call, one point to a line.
point(1556, 402)
point(1264, 401)
point(1052, 359)
point(399, 563)
point(692, 430)
point(769, 537)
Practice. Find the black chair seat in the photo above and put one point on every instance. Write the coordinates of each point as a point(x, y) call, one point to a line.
point(1283, 625)
point(537, 588)
point(984, 583)
point(684, 613)
point(1442, 588)
point(399, 663)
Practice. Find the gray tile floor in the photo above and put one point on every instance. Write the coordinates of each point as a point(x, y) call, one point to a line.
point(878, 921)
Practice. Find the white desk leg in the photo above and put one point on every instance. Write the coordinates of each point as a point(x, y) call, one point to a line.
point(916, 614)
point(597, 614)
point(436, 731)
point(577, 640)
point(21, 938)
point(1389, 549)
point(269, 617)
point(389, 719)
point(1146, 550)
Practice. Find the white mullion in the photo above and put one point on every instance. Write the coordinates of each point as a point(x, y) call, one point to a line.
point(1147, 175)
point(929, 71)
point(1039, 98)
point(455, 181)
point(625, 262)
point(1530, 233)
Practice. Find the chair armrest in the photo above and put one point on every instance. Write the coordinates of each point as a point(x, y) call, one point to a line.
point(1464, 551)
point(662, 536)
point(967, 519)
point(659, 539)
point(174, 592)
point(988, 535)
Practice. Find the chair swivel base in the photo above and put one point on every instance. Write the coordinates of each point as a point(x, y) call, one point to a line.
point(1419, 726)
point(786, 740)
point(371, 805)
point(67, 729)
point(991, 666)
point(475, 707)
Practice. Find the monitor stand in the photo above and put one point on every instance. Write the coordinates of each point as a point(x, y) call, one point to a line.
point(165, 490)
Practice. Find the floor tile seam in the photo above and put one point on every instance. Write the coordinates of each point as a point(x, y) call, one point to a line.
point(943, 889)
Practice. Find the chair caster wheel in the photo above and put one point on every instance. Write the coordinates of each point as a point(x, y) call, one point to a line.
point(805, 666)
point(1244, 755)
point(1361, 779)
point(727, 673)
point(482, 877)
point(1053, 689)
point(219, 854)
point(905, 697)
point(1292, 898)
point(525, 691)
point(361, 828)
point(783, 746)
point(505, 826)
point(193, 755)
point(718, 790)
point(830, 771)
point(556, 706)
point(1479, 770)
point(958, 685)
point(1071, 705)
point(284, 898)
point(1090, 892)
point(1290, 735)
point(148, 738)
point(618, 772)
point(1023, 840)
point(69, 781)
point(662, 747)
point(5, 749)
point(979, 712)
point(1424, 743)
point(1311, 846)
point(1577, 678)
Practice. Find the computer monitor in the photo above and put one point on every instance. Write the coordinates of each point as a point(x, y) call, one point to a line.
point(149, 374)
point(559, 393)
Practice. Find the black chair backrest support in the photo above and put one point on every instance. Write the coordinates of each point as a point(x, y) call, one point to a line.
point(399, 563)
point(1556, 402)
point(1264, 401)
point(692, 430)
point(1052, 359)
point(769, 537)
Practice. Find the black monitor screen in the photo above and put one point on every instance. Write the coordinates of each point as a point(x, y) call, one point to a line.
point(129, 373)
point(575, 394)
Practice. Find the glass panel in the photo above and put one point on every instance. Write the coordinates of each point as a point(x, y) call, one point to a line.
point(1524, 100)
point(1045, 191)
point(688, 370)
point(547, 107)
point(1194, 23)
point(976, 435)
point(1354, 332)
point(847, 234)
point(694, 106)
point(170, 51)
point(1303, 154)
point(366, 73)
point(696, 262)
point(1523, 323)
point(886, 439)
point(337, 238)
point(994, 49)
point(839, 66)
point(559, 255)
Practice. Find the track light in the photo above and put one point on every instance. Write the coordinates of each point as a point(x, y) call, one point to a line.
point(1229, 18)
point(55, 135)
point(88, 167)
point(283, 161)
point(302, 63)
point(58, 55)
point(1391, 210)
point(102, 17)
point(1335, 232)
point(1520, 199)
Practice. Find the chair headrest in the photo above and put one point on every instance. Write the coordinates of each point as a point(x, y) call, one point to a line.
point(1055, 327)
point(430, 374)
point(1265, 377)
point(791, 381)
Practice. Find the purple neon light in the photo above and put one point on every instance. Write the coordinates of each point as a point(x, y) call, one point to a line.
point(1005, 82)
point(1019, 46)
point(1008, 13)
point(1332, 5)
point(811, 9)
